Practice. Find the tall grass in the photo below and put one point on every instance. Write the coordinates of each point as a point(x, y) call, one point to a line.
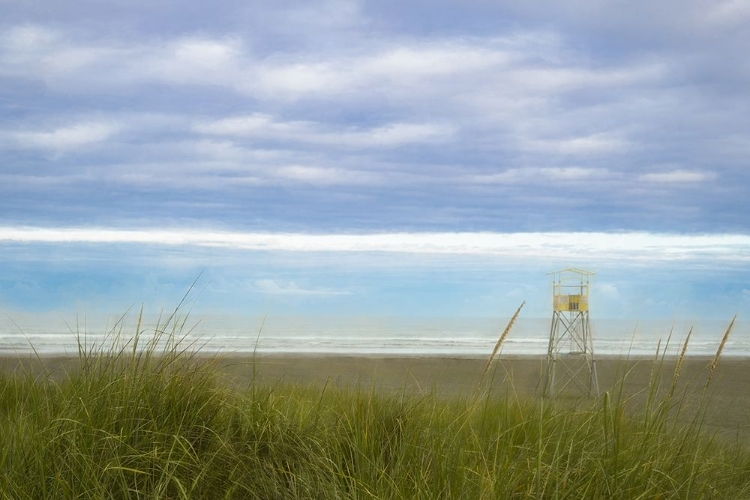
point(144, 417)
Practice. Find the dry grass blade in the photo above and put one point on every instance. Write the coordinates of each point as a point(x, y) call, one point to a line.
point(715, 361)
point(500, 341)
point(678, 366)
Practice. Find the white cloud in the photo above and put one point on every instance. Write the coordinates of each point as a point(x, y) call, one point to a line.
point(184, 61)
point(249, 125)
point(36, 51)
point(572, 76)
point(28, 37)
point(608, 290)
point(729, 12)
point(260, 125)
point(327, 176)
point(570, 247)
point(406, 70)
point(217, 149)
point(537, 175)
point(396, 134)
point(205, 53)
point(63, 62)
point(595, 144)
point(431, 60)
point(274, 287)
point(574, 173)
point(35, 180)
point(22, 48)
point(67, 137)
point(296, 79)
point(396, 67)
point(678, 177)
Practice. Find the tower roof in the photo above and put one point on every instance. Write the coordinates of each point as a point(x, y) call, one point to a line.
point(573, 270)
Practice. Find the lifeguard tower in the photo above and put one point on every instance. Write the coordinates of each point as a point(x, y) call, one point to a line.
point(570, 356)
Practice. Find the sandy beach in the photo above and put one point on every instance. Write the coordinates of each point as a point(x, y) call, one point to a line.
point(729, 392)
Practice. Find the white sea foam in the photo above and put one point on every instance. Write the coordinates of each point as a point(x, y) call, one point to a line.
point(382, 336)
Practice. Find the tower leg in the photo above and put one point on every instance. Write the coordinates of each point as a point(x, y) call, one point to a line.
point(579, 364)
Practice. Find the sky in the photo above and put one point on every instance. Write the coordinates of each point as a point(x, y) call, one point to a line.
point(374, 158)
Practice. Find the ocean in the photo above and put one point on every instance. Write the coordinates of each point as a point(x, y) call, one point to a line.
point(368, 336)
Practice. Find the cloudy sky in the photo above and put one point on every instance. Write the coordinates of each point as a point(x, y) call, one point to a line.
point(375, 157)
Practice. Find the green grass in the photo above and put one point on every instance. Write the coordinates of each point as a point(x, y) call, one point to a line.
point(153, 421)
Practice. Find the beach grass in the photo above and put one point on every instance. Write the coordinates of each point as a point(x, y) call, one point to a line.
point(145, 417)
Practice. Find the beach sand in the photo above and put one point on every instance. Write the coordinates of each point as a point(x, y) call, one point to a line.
point(728, 414)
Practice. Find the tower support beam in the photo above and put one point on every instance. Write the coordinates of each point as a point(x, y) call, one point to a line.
point(571, 364)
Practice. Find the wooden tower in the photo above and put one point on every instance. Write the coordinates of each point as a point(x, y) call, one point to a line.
point(571, 365)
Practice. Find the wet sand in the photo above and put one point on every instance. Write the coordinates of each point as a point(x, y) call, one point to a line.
point(728, 412)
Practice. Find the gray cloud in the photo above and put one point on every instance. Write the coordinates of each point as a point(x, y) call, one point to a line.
point(436, 116)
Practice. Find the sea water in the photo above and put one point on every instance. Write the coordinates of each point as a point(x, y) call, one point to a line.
point(366, 335)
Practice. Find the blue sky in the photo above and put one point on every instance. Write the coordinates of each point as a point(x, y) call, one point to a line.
point(375, 157)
